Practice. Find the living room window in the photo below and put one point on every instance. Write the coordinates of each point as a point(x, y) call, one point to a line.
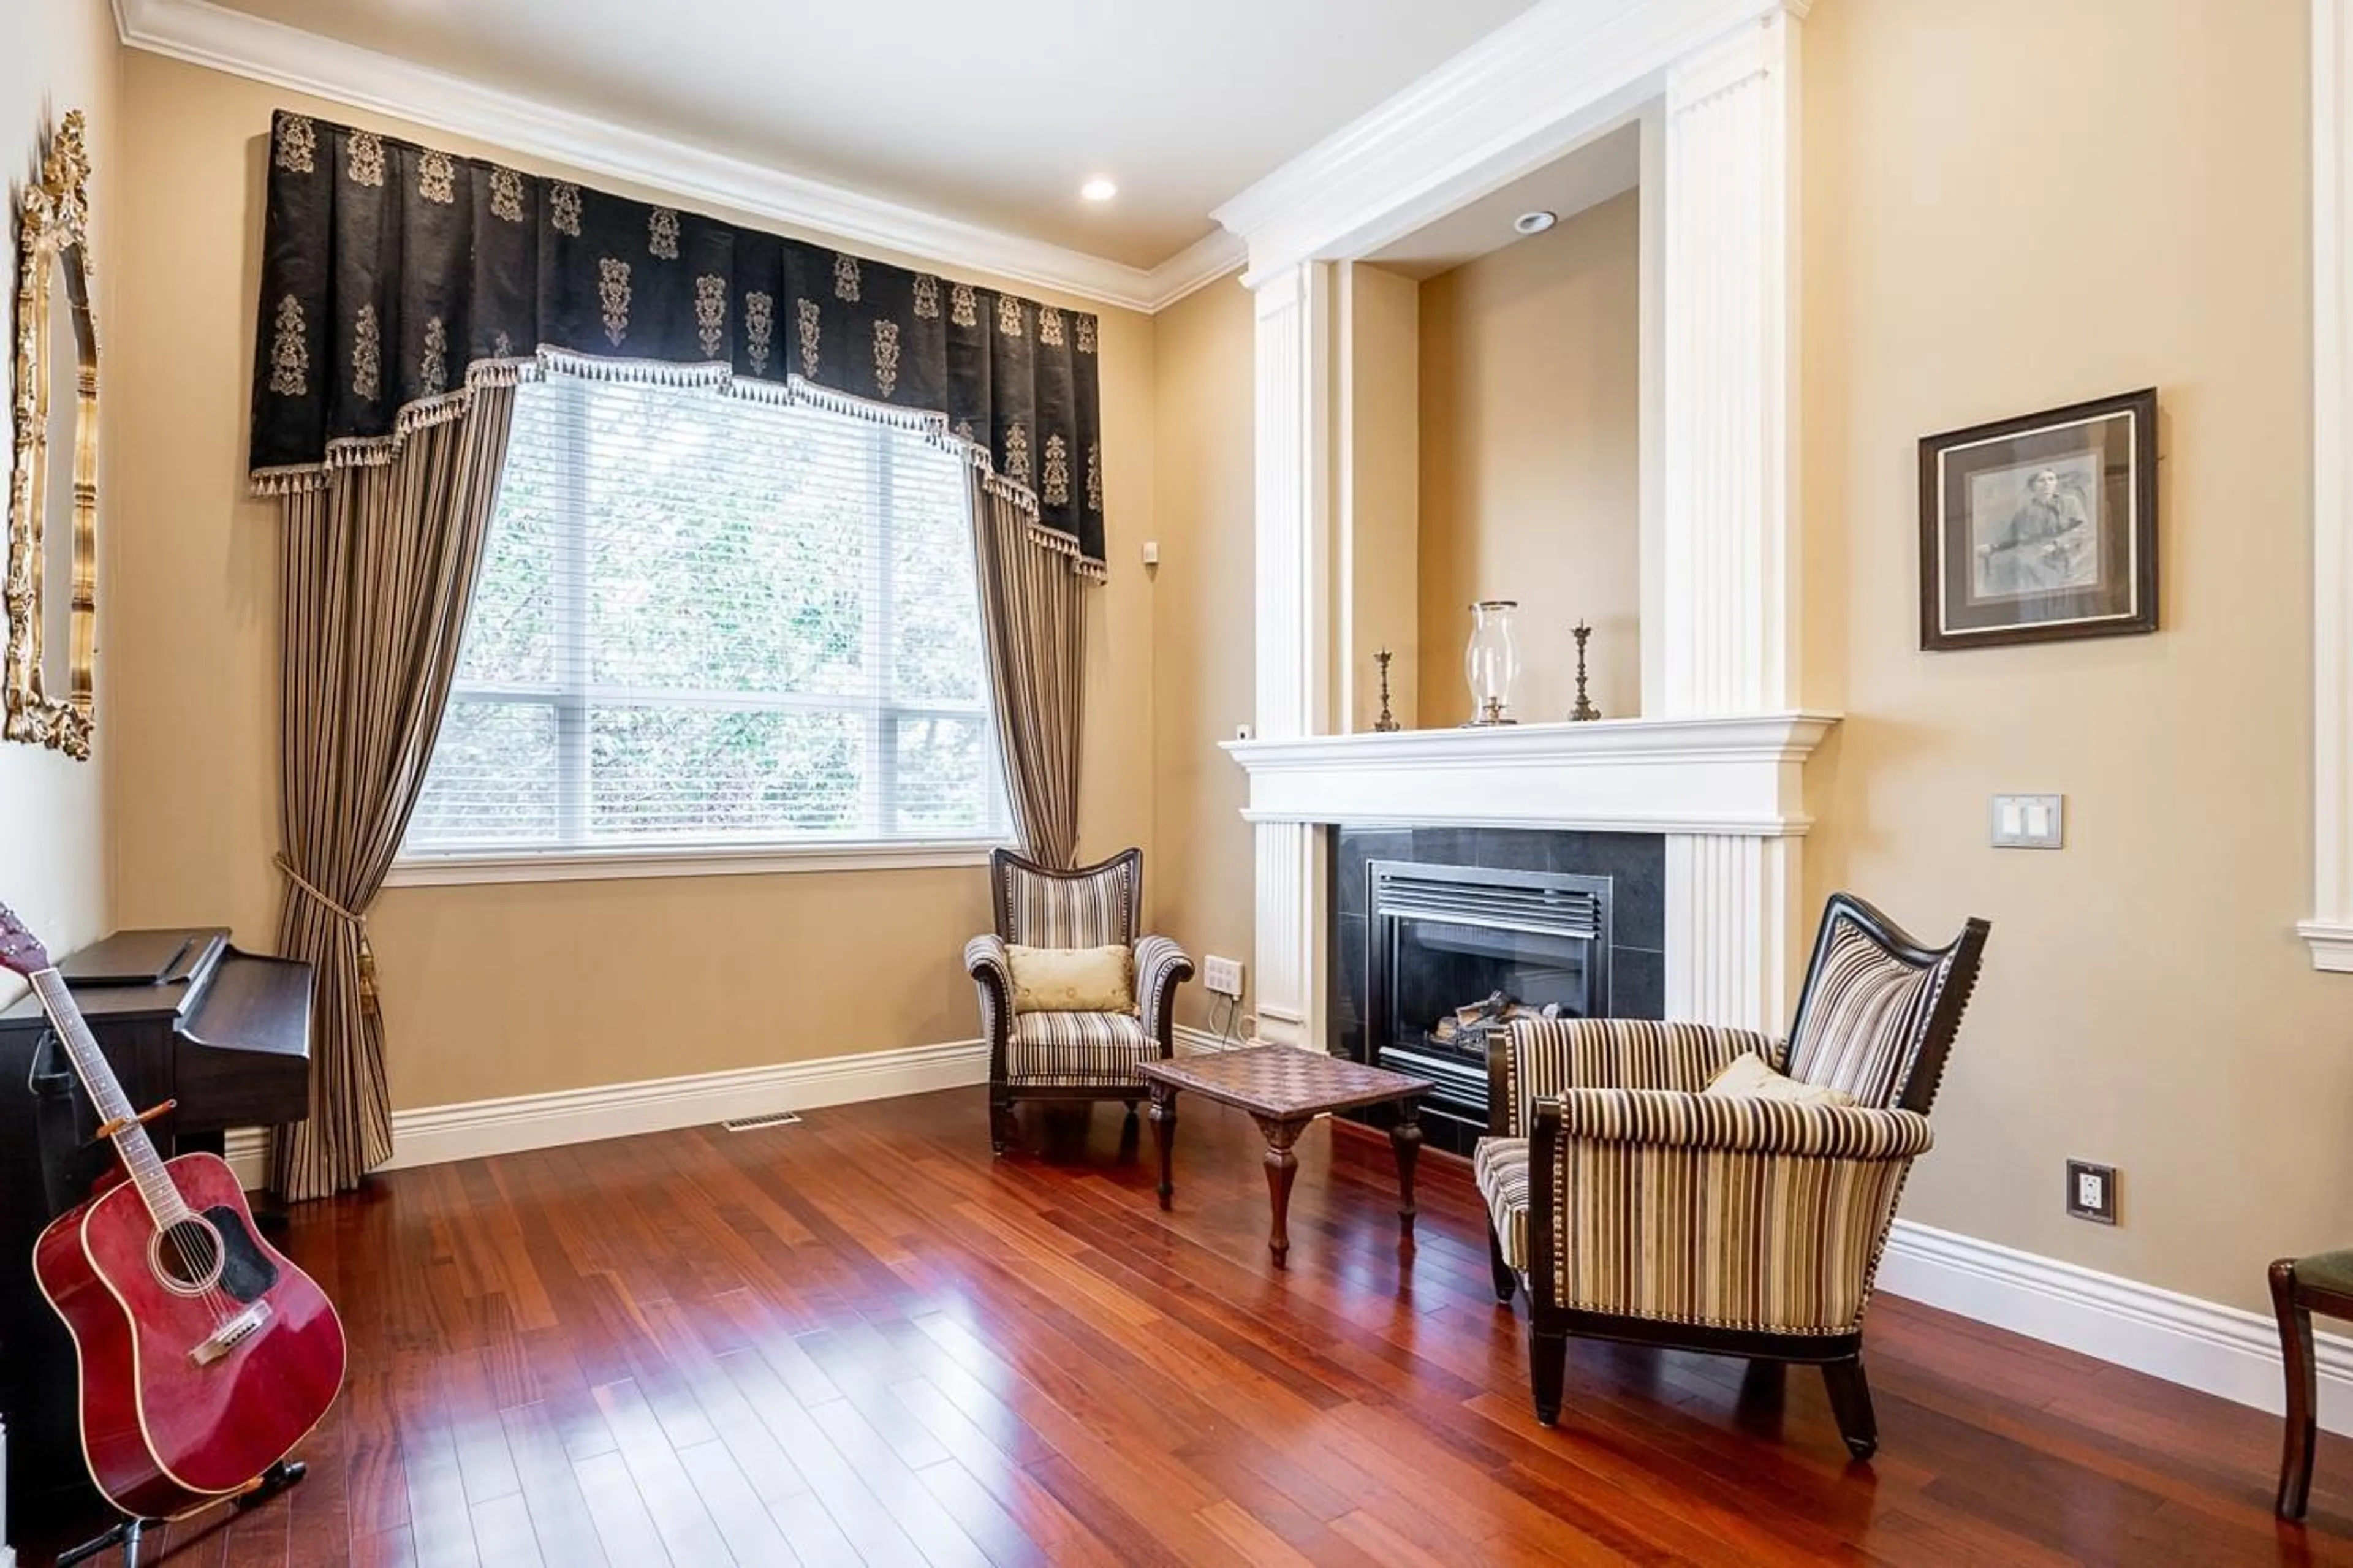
point(712, 626)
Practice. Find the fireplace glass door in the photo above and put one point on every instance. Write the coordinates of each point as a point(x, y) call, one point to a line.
point(1457, 952)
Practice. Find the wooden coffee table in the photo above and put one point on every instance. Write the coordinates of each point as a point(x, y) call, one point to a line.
point(1284, 1088)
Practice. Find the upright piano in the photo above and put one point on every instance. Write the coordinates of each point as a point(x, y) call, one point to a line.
point(181, 1016)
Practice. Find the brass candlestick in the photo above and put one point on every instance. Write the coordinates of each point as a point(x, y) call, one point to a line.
point(1585, 708)
point(1387, 722)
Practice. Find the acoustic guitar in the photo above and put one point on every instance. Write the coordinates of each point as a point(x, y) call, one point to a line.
point(205, 1355)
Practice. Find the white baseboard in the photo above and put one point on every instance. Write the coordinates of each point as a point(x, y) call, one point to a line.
point(1193, 1042)
point(2200, 1344)
point(433, 1134)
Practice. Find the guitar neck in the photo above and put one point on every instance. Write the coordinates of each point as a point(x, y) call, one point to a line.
point(131, 1140)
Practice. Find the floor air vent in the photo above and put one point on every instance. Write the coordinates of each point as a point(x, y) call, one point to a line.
point(754, 1124)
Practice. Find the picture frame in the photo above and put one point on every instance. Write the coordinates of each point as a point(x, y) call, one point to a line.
point(2042, 528)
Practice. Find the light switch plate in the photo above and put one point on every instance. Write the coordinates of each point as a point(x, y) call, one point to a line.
point(1222, 975)
point(2028, 821)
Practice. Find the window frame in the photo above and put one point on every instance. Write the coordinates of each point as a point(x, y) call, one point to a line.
point(571, 703)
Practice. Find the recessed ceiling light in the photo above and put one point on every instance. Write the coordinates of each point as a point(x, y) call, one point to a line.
point(1534, 223)
point(1098, 189)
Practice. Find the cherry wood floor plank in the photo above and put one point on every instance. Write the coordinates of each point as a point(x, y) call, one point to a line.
point(624, 1524)
point(863, 1341)
point(560, 1520)
point(645, 1444)
point(504, 1533)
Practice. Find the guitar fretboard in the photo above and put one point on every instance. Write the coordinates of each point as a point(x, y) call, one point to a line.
point(89, 1063)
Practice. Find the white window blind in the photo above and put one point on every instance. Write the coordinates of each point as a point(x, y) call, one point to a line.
point(709, 622)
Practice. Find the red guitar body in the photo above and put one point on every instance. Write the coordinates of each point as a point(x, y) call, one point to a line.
point(187, 1395)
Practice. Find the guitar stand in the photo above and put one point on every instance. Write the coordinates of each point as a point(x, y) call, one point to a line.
point(126, 1535)
point(276, 1479)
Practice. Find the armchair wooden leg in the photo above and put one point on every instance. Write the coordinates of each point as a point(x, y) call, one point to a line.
point(1508, 1279)
point(1547, 1372)
point(1851, 1403)
point(1001, 1123)
point(2295, 1356)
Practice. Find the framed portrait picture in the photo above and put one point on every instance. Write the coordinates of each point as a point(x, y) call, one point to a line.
point(2041, 528)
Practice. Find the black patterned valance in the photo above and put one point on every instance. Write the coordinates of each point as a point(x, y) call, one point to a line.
point(394, 277)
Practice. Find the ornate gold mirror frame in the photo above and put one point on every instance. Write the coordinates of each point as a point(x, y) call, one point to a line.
point(52, 243)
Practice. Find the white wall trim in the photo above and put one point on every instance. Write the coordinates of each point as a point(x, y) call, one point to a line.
point(433, 1135)
point(601, 866)
point(2200, 1344)
point(1558, 74)
point(1741, 775)
point(1193, 1042)
point(253, 46)
point(2329, 931)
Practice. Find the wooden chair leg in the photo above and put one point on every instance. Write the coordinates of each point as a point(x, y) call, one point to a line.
point(1851, 1404)
point(1547, 1372)
point(2295, 1357)
point(1508, 1279)
point(1001, 1123)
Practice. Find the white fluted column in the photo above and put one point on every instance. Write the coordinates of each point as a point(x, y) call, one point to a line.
point(1293, 603)
point(1728, 608)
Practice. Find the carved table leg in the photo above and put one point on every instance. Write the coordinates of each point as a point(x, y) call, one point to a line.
point(1282, 1166)
point(1163, 1133)
point(1406, 1139)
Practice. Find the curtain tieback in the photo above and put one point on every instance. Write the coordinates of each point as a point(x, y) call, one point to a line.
point(358, 922)
point(318, 898)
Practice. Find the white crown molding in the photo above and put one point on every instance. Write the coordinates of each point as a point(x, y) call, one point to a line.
point(1557, 75)
point(1215, 255)
point(253, 46)
point(433, 1135)
point(2200, 1344)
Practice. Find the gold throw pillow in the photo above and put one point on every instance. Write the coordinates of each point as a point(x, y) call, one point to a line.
point(1748, 1078)
point(1072, 979)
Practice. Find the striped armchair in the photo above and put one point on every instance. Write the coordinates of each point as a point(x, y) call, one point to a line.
point(1070, 1056)
point(1634, 1208)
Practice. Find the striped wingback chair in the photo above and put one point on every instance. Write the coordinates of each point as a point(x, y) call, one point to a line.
point(1634, 1208)
point(1070, 1056)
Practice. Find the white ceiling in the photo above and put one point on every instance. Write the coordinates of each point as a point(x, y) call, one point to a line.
point(989, 110)
point(1586, 177)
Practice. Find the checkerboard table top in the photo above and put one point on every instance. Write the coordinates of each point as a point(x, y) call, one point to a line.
point(1283, 1080)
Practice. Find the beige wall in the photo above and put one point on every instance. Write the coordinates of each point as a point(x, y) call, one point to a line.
point(2011, 206)
point(1531, 477)
point(61, 55)
point(1379, 422)
point(491, 990)
point(1203, 684)
point(1991, 228)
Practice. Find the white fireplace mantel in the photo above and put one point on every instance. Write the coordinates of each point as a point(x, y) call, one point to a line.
point(1738, 775)
point(1716, 770)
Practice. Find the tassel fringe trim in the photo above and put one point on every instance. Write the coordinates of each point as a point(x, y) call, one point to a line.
point(377, 451)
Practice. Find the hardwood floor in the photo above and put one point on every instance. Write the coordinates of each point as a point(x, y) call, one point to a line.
point(859, 1339)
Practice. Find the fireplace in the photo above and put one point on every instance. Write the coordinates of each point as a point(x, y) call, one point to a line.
point(1441, 935)
point(1455, 953)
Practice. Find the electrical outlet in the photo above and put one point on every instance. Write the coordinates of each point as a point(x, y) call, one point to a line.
point(2092, 1191)
point(1222, 975)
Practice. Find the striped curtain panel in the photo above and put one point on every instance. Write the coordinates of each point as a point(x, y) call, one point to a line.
point(380, 562)
point(1033, 613)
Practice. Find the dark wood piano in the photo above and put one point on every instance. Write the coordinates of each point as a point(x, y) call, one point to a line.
point(181, 1016)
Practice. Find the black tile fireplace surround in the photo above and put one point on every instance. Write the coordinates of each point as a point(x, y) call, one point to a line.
point(1628, 870)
